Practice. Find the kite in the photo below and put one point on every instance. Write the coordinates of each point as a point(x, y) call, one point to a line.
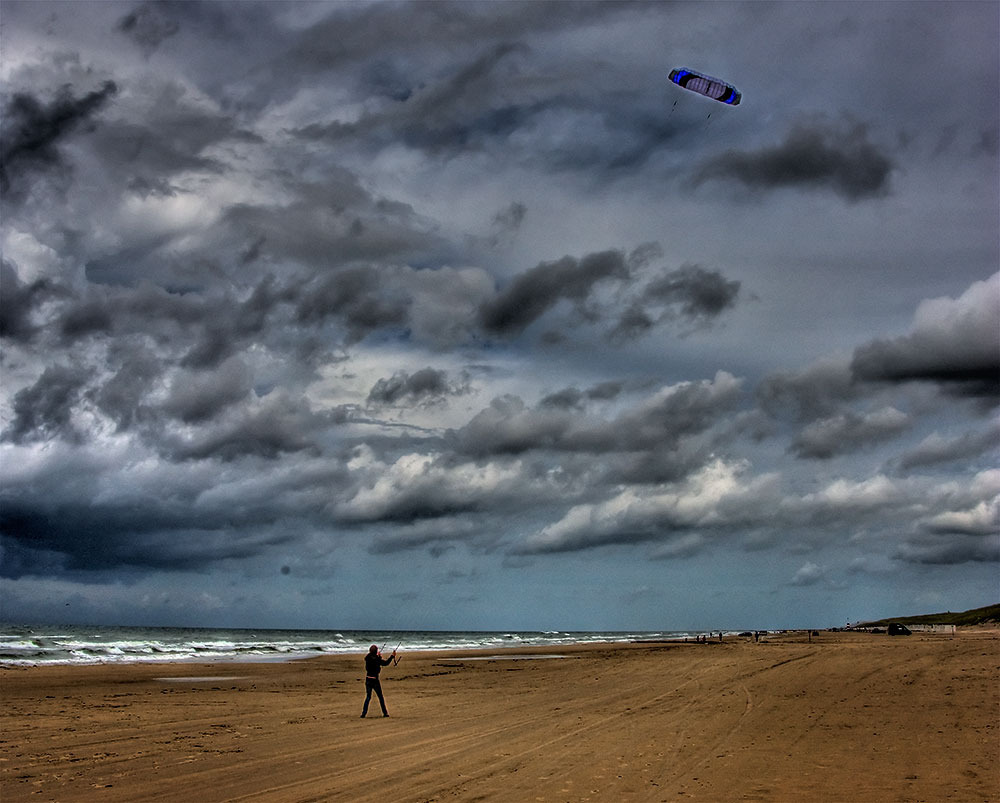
point(706, 85)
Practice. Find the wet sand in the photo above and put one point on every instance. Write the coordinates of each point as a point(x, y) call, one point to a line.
point(845, 717)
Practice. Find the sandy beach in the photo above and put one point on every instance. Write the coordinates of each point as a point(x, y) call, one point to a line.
point(847, 716)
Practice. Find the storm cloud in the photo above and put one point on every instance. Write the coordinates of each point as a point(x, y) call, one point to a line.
point(45, 409)
point(848, 432)
point(953, 343)
point(427, 384)
point(33, 129)
point(535, 291)
point(822, 154)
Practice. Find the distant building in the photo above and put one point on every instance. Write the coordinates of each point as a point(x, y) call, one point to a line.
point(947, 630)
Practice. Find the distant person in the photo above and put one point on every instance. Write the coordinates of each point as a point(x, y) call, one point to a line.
point(373, 665)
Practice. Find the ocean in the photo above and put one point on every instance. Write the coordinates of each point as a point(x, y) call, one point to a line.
point(45, 645)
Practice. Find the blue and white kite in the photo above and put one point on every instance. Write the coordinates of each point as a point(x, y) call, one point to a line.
point(713, 88)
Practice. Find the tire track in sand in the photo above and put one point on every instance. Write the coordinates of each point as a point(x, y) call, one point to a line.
point(536, 728)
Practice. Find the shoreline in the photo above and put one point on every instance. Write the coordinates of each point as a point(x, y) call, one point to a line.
point(84, 645)
point(287, 655)
point(782, 719)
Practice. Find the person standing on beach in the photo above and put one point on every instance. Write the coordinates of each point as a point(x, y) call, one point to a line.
point(373, 665)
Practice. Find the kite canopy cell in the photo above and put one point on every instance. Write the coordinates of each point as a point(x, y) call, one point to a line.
point(706, 85)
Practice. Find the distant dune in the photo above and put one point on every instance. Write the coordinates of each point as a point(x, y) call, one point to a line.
point(976, 616)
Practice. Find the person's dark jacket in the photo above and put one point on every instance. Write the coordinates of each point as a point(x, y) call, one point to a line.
point(374, 663)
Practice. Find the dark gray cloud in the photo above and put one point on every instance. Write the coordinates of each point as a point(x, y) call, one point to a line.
point(33, 130)
point(816, 392)
point(937, 449)
point(573, 398)
point(945, 552)
point(446, 116)
point(124, 397)
point(501, 92)
point(633, 322)
point(357, 299)
point(83, 536)
point(506, 222)
point(198, 331)
point(415, 503)
point(199, 396)
point(335, 222)
point(177, 323)
point(605, 390)
point(44, 410)
point(700, 293)
point(401, 32)
point(508, 426)
point(566, 399)
point(532, 293)
point(175, 136)
point(267, 428)
point(953, 344)
point(821, 154)
point(598, 285)
point(148, 26)
point(693, 294)
point(848, 432)
point(18, 301)
point(678, 411)
point(428, 385)
point(86, 316)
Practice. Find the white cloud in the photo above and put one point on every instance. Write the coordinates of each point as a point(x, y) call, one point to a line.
point(418, 485)
point(808, 574)
point(983, 519)
point(721, 494)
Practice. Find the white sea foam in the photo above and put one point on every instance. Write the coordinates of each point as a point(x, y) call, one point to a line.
point(26, 646)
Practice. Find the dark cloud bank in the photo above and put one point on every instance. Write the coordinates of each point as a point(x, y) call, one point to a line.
point(818, 154)
point(33, 129)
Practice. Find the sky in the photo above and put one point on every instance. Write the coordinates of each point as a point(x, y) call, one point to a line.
point(463, 316)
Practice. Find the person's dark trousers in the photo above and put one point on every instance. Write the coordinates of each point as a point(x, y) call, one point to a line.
point(373, 684)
